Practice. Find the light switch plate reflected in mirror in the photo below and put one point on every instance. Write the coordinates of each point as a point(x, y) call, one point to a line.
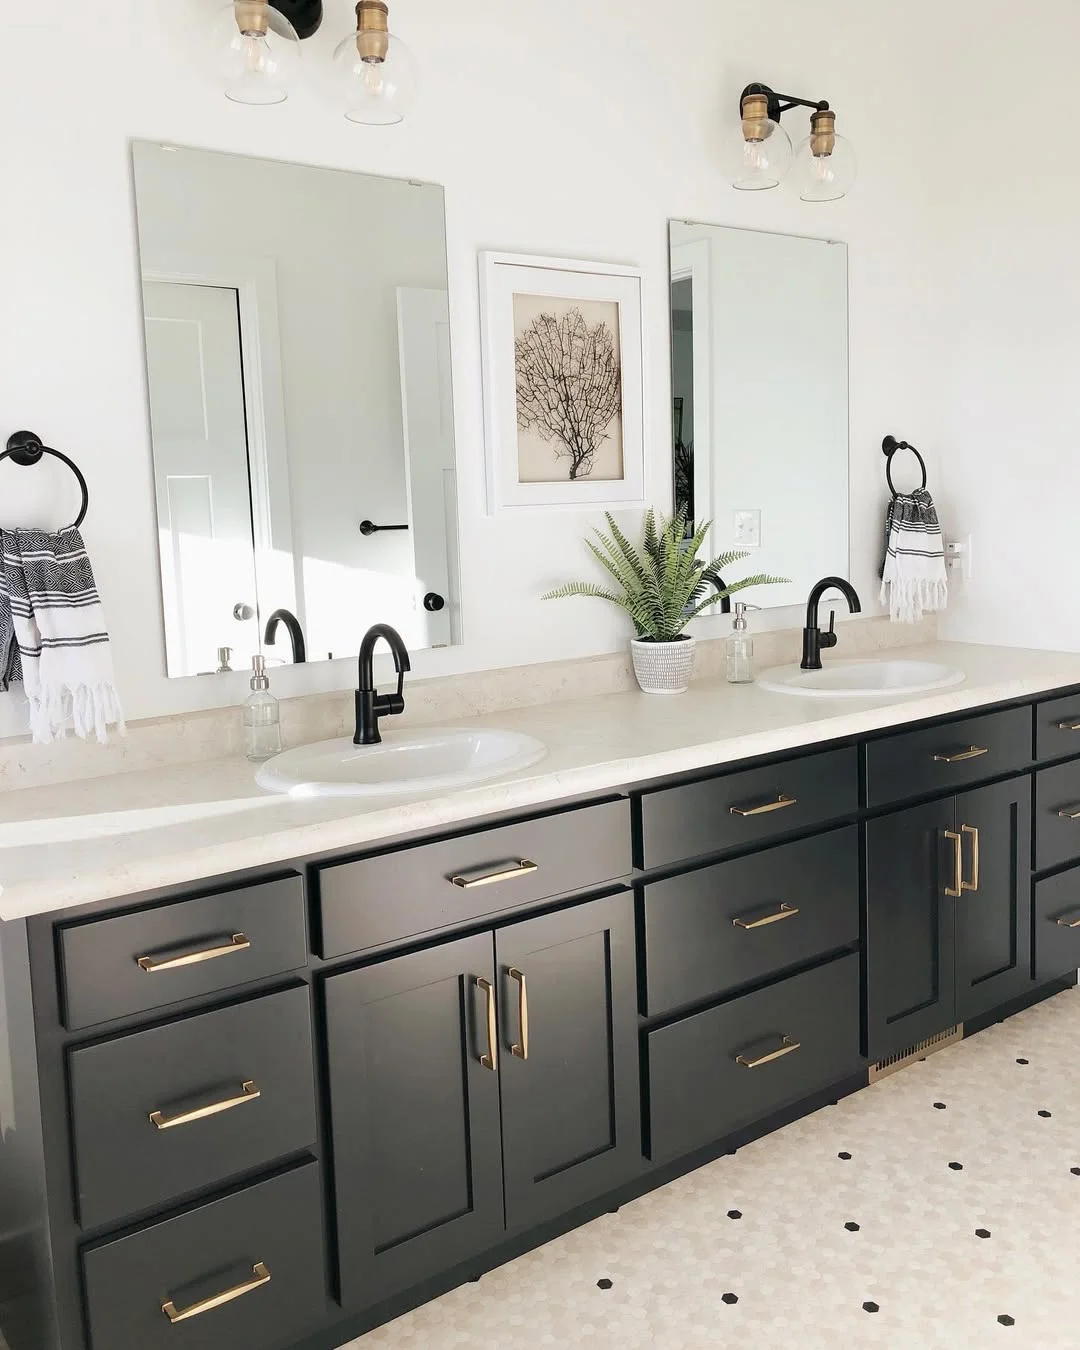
point(298, 360)
point(746, 530)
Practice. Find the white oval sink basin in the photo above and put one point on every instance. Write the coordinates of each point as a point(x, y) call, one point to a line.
point(861, 679)
point(420, 761)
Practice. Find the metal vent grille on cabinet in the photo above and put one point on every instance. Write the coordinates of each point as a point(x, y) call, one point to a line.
point(894, 1063)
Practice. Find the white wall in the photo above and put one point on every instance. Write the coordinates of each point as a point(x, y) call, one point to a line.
point(1008, 274)
point(578, 129)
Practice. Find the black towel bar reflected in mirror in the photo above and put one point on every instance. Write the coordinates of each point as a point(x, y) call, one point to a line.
point(369, 527)
point(26, 448)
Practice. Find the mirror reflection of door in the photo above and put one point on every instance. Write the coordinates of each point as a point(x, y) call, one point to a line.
point(202, 478)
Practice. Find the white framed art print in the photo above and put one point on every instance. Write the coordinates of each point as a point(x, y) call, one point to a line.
point(563, 386)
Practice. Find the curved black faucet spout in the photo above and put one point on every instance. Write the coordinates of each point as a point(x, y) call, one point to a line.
point(370, 705)
point(296, 633)
point(813, 638)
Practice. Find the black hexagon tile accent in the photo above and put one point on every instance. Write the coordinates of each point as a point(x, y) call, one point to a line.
point(851, 1226)
point(845, 1156)
point(734, 1213)
point(1023, 1061)
point(603, 1284)
point(1046, 1114)
point(729, 1298)
point(1006, 1320)
point(956, 1167)
point(869, 1306)
point(939, 1106)
point(1075, 1171)
point(982, 1232)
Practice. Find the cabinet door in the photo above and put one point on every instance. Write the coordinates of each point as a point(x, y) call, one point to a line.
point(910, 974)
point(415, 1117)
point(568, 1058)
point(993, 916)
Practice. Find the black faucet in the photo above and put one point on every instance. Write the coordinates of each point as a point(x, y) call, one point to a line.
point(813, 639)
point(296, 633)
point(721, 585)
point(370, 705)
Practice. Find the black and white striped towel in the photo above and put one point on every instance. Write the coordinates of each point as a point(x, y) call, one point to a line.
point(53, 636)
point(914, 581)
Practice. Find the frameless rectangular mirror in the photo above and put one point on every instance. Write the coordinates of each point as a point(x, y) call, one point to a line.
point(759, 364)
point(298, 361)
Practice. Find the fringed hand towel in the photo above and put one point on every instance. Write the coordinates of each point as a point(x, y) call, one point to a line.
point(914, 581)
point(58, 640)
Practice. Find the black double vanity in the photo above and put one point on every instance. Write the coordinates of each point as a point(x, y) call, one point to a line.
point(275, 1109)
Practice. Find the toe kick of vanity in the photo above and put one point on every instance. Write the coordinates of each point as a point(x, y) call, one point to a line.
point(279, 1108)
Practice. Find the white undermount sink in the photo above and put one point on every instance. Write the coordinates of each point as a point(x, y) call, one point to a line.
point(861, 679)
point(435, 760)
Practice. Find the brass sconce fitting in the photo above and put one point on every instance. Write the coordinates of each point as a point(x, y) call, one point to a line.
point(373, 36)
point(252, 17)
point(755, 117)
point(822, 132)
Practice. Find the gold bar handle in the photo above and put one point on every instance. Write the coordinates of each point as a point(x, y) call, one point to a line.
point(491, 1059)
point(1066, 922)
point(237, 943)
point(973, 884)
point(1069, 726)
point(788, 1047)
point(957, 888)
point(784, 912)
point(764, 808)
point(248, 1093)
point(958, 756)
point(260, 1275)
point(1070, 813)
point(521, 1049)
point(523, 868)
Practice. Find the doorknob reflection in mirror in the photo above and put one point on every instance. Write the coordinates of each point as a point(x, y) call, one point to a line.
point(433, 602)
point(243, 612)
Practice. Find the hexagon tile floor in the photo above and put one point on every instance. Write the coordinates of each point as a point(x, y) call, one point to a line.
point(937, 1210)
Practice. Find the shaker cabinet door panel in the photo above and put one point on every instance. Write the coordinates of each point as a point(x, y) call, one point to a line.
point(911, 978)
point(415, 1116)
point(993, 915)
point(568, 1058)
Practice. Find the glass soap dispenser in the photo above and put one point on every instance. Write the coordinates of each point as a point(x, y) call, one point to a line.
point(739, 650)
point(262, 715)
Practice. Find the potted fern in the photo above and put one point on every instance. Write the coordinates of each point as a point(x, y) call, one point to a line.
point(662, 585)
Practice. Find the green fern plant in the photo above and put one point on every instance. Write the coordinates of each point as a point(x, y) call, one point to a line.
point(662, 585)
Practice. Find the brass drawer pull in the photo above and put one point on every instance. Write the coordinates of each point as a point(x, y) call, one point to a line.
point(765, 807)
point(237, 943)
point(261, 1276)
point(788, 1047)
point(248, 1093)
point(957, 888)
point(521, 1049)
point(491, 1059)
point(1070, 813)
point(784, 912)
point(1069, 726)
point(523, 868)
point(958, 756)
point(1068, 923)
point(973, 884)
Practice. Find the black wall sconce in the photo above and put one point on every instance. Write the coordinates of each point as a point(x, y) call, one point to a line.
point(823, 165)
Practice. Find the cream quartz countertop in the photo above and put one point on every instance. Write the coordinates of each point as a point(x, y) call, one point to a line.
point(594, 745)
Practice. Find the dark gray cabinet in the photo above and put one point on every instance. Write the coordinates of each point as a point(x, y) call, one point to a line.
point(422, 1047)
point(948, 912)
point(415, 1116)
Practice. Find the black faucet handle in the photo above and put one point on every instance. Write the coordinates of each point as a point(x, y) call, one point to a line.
point(829, 638)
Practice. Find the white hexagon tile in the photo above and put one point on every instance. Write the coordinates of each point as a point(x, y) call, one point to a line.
point(937, 1210)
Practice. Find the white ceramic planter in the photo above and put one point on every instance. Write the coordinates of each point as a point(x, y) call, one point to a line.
point(663, 667)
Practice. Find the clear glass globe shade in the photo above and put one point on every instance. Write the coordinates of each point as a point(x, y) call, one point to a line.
point(824, 178)
point(378, 93)
point(757, 165)
point(258, 53)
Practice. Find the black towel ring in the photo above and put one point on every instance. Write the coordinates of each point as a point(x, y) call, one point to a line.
point(26, 448)
point(889, 447)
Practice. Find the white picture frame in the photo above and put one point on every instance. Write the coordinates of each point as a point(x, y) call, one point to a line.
point(595, 309)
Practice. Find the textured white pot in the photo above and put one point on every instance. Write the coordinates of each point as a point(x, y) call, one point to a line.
point(663, 667)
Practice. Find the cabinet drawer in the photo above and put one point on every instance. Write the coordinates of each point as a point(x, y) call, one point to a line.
point(1057, 728)
point(1057, 910)
point(263, 1247)
point(152, 957)
point(943, 758)
point(707, 932)
point(747, 807)
point(256, 1057)
point(1057, 815)
point(393, 896)
point(720, 1070)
